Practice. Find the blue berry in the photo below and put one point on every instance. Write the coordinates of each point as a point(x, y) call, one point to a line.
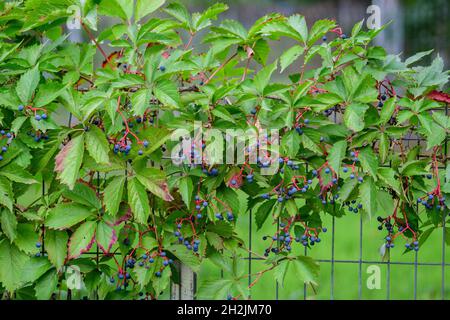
point(162, 68)
point(44, 116)
point(20, 108)
point(327, 170)
point(345, 169)
point(37, 117)
point(352, 176)
point(140, 152)
point(38, 244)
point(158, 274)
point(145, 143)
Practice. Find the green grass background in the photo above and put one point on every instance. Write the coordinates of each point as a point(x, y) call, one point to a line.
point(347, 228)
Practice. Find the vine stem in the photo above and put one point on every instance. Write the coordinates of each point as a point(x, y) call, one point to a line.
point(91, 36)
point(220, 68)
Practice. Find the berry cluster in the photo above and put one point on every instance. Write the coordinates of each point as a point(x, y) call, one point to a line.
point(8, 136)
point(38, 135)
point(353, 206)
point(283, 240)
point(38, 113)
point(192, 244)
point(144, 261)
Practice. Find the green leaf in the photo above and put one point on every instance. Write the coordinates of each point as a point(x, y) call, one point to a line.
point(161, 283)
point(113, 194)
point(35, 268)
point(17, 174)
point(298, 23)
point(308, 143)
point(305, 269)
point(388, 176)
point(105, 236)
point(179, 12)
point(155, 182)
point(9, 224)
point(56, 247)
point(291, 144)
point(368, 194)
point(84, 195)
point(68, 161)
point(186, 188)
point(289, 56)
point(263, 212)
point(140, 101)
point(167, 93)
point(6, 194)
point(366, 91)
point(383, 147)
point(46, 285)
point(262, 78)
point(138, 199)
point(354, 116)
point(215, 289)
point(369, 161)
point(97, 145)
point(82, 239)
point(347, 189)
point(336, 154)
point(414, 168)
point(223, 113)
point(209, 14)
point(27, 237)
point(12, 263)
point(145, 7)
point(319, 29)
point(387, 110)
point(185, 256)
point(27, 84)
point(47, 93)
point(66, 215)
point(281, 271)
point(117, 8)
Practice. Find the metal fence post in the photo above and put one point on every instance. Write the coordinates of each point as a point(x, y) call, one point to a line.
point(186, 289)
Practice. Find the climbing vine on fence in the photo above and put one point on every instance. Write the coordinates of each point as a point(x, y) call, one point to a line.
point(98, 200)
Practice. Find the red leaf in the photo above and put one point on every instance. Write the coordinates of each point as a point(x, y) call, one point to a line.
point(59, 159)
point(439, 96)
